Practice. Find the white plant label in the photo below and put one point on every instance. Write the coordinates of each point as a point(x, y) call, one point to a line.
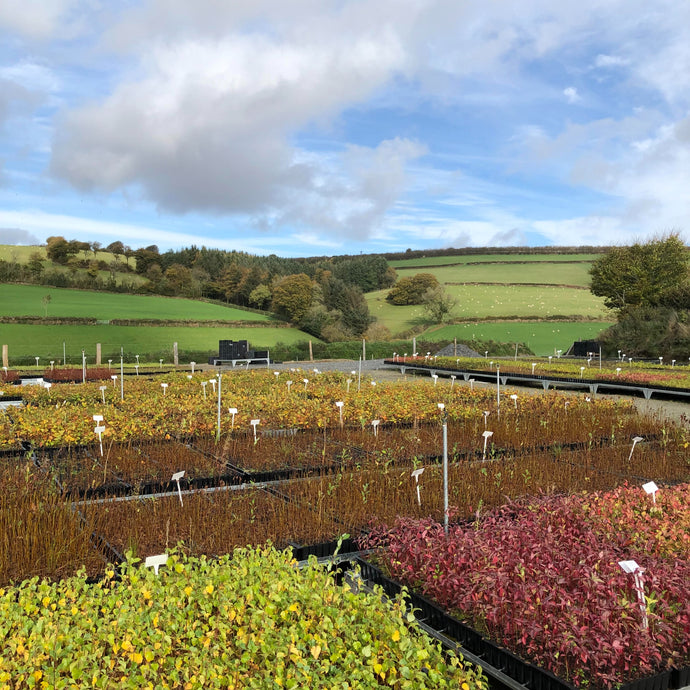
point(375, 423)
point(176, 478)
point(632, 568)
point(651, 488)
point(156, 562)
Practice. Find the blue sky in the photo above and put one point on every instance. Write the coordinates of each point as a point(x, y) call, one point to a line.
point(310, 127)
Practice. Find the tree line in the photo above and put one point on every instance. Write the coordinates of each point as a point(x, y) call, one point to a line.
point(321, 295)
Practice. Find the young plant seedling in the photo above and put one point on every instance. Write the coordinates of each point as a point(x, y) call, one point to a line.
point(632, 568)
point(176, 478)
point(416, 474)
point(156, 562)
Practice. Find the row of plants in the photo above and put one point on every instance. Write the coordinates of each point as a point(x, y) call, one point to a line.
point(625, 372)
point(314, 510)
point(175, 403)
point(541, 576)
point(249, 620)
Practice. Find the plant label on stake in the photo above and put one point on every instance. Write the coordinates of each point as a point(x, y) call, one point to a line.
point(114, 378)
point(435, 377)
point(213, 384)
point(164, 386)
point(487, 435)
point(513, 397)
point(192, 364)
point(100, 428)
point(156, 562)
point(176, 478)
point(471, 384)
point(349, 381)
point(289, 383)
point(651, 488)
point(233, 412)
point(452, 381)
point(417, 474)
point(636, 440)
point(339, 405)
point(255, 423)
point(632, 568)
point(486, 416)
point(375, 423)
point(306, 382)
point(102, 389)
point(203, 386)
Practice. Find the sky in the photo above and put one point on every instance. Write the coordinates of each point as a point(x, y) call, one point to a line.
point(323, 127)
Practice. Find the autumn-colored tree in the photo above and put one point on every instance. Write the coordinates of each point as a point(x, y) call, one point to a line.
point(410, 290)
point(292, 296)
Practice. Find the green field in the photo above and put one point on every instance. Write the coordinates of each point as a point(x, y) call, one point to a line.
point(27, 300)
point(530, 272)
point(542, 337)
point(157, 341)
point(22, 254)
point(479, 301)
point(428, 261)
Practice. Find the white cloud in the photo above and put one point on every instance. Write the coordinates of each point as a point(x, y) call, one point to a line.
point(36, 19)
point(571, 94)
point(611, 61)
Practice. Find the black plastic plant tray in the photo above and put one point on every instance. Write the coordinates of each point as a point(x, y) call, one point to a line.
point(324, 550)
point(529, 675)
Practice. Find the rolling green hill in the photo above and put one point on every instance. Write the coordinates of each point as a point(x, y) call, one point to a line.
point(27, 300)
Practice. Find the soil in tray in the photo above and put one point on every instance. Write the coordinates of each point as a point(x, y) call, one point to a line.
point(211, 523)
point(358, 498)
point(40, 534)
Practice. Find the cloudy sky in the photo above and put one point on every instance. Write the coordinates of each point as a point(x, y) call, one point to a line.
point(310, 127)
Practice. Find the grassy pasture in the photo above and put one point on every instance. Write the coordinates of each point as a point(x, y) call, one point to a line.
point(46, 341)
point(528, 272)
point(478, 301)
point(26, 300)
point(22, 254)
point(428, 261)
point(542, 337)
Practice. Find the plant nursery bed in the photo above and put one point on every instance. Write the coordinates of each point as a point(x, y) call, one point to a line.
point(550, 579)
point(527, 674)
point(211, 523)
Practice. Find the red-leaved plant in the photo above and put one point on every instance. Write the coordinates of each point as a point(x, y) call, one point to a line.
point(537, 578)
